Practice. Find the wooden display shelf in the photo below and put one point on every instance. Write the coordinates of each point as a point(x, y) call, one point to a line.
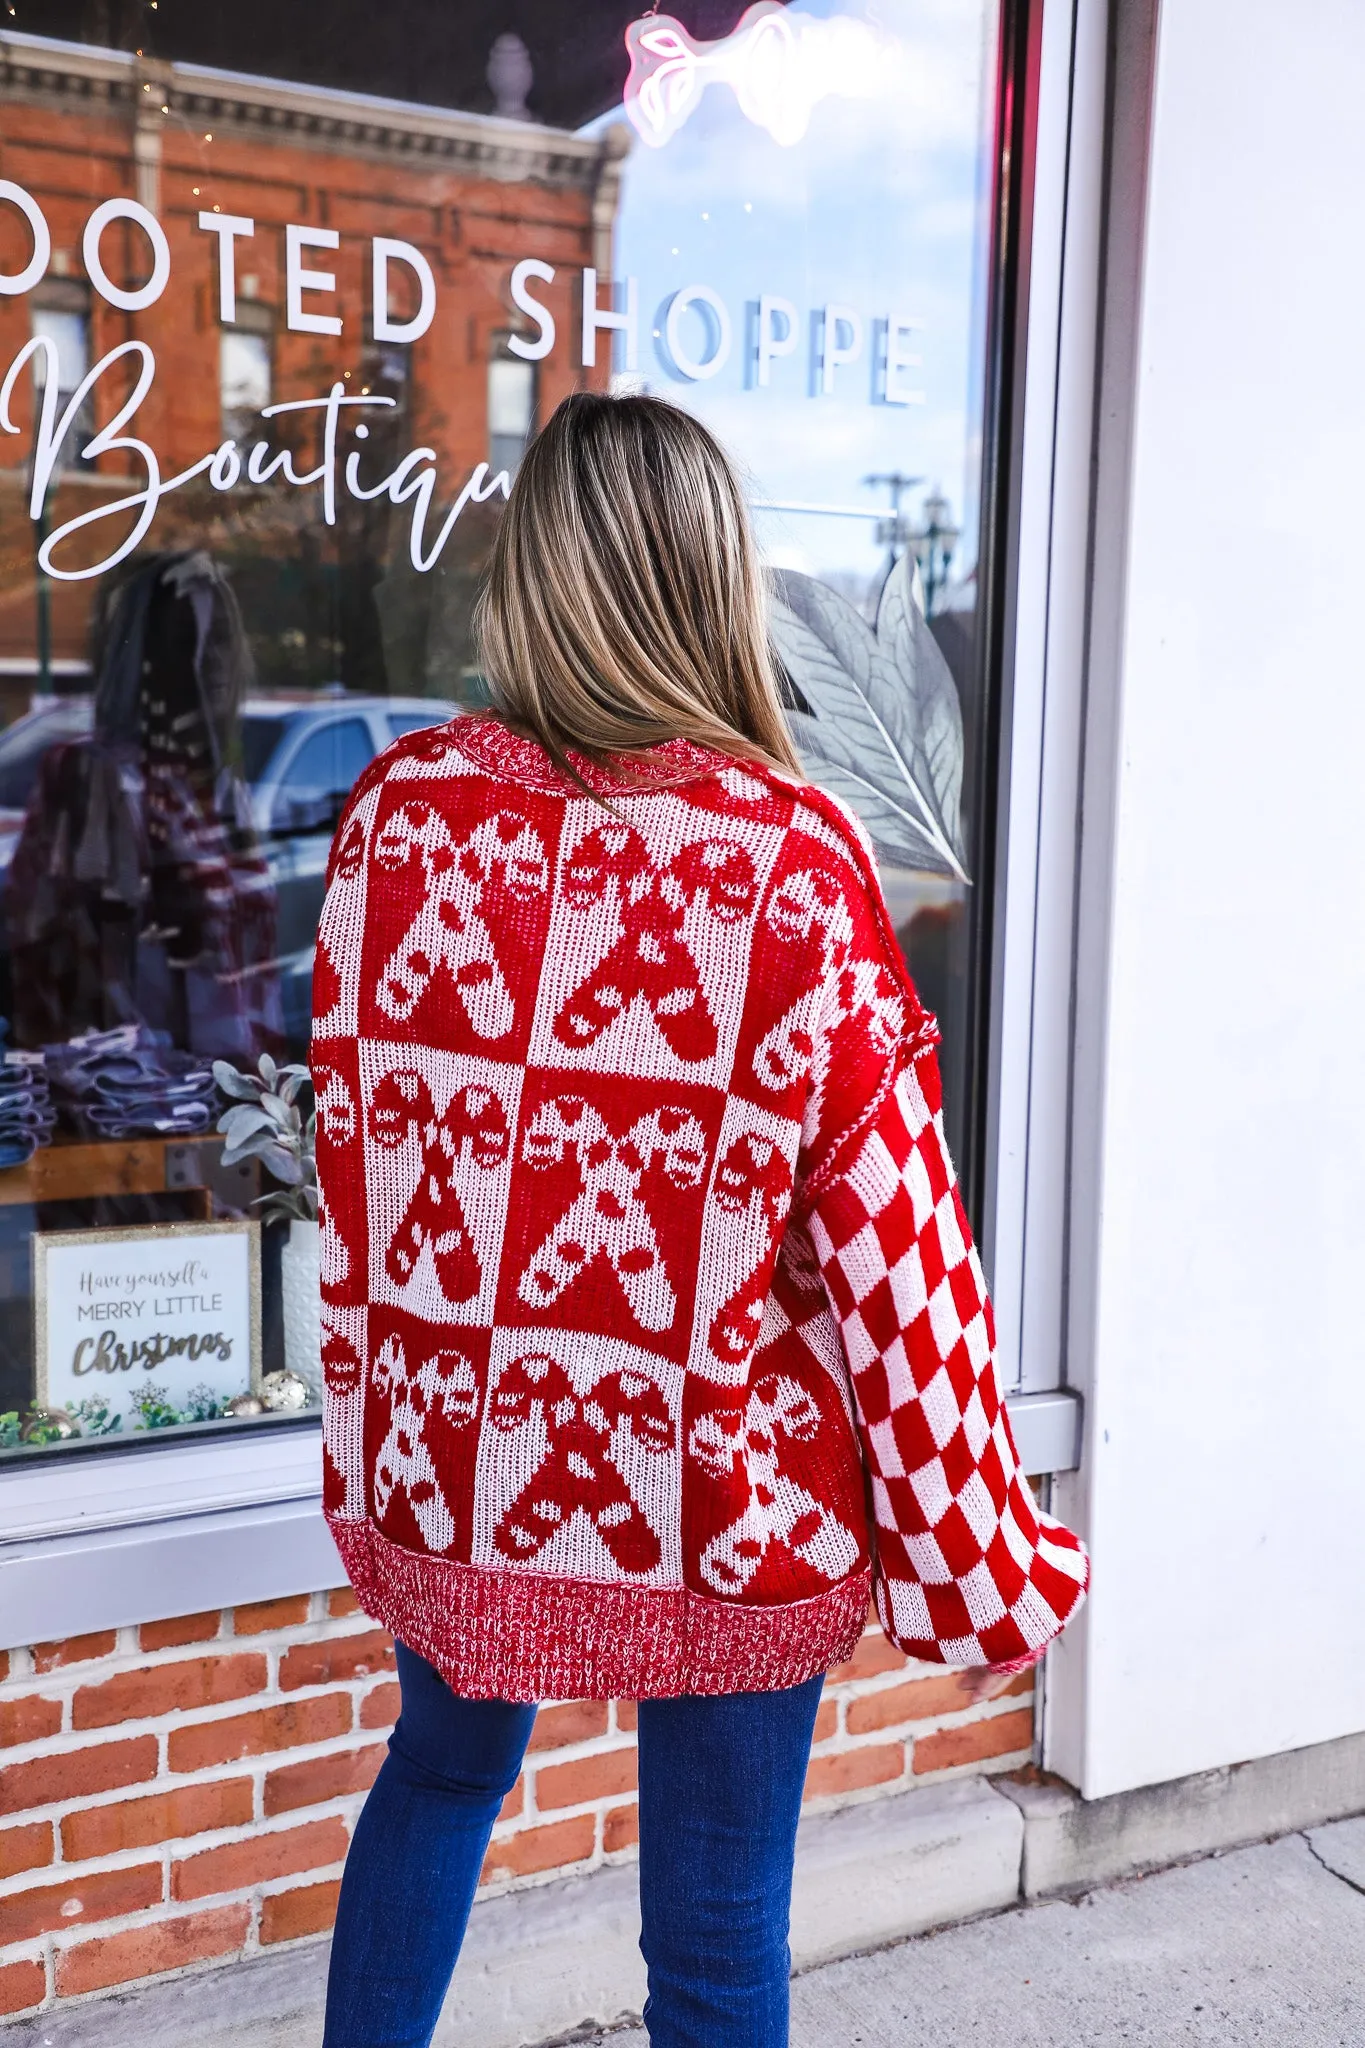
point(65, 1173)
point(118, 1166)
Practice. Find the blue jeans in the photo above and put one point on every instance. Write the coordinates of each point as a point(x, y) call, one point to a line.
point(720, 1796)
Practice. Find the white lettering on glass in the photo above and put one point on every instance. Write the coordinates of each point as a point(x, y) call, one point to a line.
point(414, 478)
point(226, 466)
point(626, 322)
point(227, 227)
point(297, 280)
point(833, 351)
point(386, 328)
point(35, 270)
point(532, 351)
point(837, 340)
point(49, 433)
point(695, 368)
point(325, 473)
point(771, 309)
point(899, 356)
point(142, 295)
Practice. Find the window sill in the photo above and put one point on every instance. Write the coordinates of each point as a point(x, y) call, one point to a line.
point(1047, 1430)
point(82, 1487)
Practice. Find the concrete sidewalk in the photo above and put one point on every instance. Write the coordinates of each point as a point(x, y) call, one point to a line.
point(1258, 1946)
point(1254, 1947)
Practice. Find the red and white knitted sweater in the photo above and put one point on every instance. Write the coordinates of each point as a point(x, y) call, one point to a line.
point(653, 1324)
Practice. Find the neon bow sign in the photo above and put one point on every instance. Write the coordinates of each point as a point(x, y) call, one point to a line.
point(779, 64)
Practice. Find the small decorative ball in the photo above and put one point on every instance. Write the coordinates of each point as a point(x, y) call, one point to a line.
point(284, 1393)
point(245, 1404)
point(48, 1426)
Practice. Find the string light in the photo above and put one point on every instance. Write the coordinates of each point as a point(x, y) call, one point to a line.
point(208, 138)
point(196, 191)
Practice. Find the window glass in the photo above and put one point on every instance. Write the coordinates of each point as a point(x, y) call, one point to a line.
point(69, 334)
point(262, 733)
point(307, 284)
point(511, 409)
point(23, 744)
point(244, 372)
point(412, 721)
point(61, 320)
point(314, 782)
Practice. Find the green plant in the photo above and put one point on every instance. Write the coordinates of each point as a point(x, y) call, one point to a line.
point(265, 1123)
point(40, 1429)
point(9, 1430)
point(95, 1416)
point(155, 1410)
point(201, 1405)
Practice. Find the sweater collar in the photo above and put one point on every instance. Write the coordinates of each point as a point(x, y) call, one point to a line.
point(491, 745)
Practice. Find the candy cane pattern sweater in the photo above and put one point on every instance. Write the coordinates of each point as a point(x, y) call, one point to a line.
point(654, 1333)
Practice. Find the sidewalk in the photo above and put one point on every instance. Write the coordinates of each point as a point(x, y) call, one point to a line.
point(1258, 1946)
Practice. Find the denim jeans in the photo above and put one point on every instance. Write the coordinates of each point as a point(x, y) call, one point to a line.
point(130, 1082)
point(720, 1796)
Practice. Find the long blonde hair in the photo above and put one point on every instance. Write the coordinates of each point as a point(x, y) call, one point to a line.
point(624, 603)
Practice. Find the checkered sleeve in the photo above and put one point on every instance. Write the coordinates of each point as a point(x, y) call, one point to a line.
point(968, 1569)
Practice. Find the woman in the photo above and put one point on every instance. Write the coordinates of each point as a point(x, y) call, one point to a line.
point(646, 1275)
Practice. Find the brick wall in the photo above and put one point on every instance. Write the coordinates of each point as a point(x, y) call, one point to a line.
point(182, 1794)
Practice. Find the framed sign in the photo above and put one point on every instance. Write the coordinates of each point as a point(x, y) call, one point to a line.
point(140, 1328)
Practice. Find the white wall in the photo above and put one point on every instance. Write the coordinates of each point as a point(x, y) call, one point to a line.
point(1219, 1240)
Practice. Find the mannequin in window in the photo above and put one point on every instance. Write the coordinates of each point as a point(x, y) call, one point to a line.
point(139, 892)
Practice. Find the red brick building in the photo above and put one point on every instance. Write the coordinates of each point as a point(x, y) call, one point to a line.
point(470, 193)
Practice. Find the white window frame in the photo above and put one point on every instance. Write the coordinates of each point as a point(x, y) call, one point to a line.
point(106, 1538)
point(1026, 1220)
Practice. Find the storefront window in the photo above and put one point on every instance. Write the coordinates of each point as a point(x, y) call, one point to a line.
point(279, 312)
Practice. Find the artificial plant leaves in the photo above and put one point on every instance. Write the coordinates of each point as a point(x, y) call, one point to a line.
point(884, 728)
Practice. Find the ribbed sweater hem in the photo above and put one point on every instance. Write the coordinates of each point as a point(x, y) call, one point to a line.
point(521, 1635)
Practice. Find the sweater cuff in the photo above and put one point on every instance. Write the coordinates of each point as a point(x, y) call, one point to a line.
point(1015, 1665)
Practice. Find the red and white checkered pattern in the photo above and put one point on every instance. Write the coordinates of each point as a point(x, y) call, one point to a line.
point(968, 1570)
point(625, 1160)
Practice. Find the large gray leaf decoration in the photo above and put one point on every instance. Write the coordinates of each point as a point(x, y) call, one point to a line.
point(884, 731)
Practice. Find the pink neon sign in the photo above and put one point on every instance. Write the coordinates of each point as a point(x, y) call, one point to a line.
point(778, 64)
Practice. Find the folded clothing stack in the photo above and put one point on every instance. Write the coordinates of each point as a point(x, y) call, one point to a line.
point(131, 1083)
point(27, 1117)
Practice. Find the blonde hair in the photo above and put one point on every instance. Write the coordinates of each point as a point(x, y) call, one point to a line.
point(624, 603)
